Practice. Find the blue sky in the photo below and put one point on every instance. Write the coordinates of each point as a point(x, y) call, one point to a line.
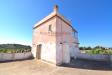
point(91, 18)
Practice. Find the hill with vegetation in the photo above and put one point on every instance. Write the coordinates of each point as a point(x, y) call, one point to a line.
point(14, 48)
point(96, 50)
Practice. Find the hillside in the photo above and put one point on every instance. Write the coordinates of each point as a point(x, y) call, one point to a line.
point(14, 48)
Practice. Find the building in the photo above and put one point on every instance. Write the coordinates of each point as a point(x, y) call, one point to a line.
point(54, 39)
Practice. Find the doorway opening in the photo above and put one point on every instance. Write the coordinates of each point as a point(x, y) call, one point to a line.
point(38, 52)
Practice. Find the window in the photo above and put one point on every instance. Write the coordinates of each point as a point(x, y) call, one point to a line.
point(74, 34)
point(50, 26)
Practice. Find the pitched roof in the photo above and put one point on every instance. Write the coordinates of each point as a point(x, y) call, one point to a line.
point(50, 16)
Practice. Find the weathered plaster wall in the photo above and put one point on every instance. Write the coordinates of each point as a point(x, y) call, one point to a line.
point(97, 57)
point(57, 46)
point(65, 46)
point(14, 56)
point(41, 35)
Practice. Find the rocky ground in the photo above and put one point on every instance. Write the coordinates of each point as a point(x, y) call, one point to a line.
point(34, 67)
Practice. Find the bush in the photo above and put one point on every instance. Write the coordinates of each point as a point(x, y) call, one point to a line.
point(99, 51)
point(14, 50)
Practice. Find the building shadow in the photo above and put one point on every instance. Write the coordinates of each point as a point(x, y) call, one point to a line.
point(89, 64)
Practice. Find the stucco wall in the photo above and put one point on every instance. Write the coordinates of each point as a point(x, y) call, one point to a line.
point(57, 45)
point(14, 56)
point(65, 45)
point(47, 39)
point(97, 57)
point(49, 52)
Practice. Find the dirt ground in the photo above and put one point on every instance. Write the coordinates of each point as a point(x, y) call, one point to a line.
point(34, 67)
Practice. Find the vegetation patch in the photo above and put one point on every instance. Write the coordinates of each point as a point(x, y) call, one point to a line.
point(14, 48)
point(96, 50)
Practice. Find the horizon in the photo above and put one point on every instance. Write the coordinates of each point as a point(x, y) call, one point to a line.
point(79, 46)
point(92, 20)
point(14, 43)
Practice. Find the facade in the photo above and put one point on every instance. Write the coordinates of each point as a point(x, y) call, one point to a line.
point(54, 39)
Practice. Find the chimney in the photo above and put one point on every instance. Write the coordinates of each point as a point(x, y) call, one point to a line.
point(56, 8)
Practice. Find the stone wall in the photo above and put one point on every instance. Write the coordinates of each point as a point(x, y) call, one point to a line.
point(14, 56)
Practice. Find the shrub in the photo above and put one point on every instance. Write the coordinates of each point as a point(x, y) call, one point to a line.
point(99, 51)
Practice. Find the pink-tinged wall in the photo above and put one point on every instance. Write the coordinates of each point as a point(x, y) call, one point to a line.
point(58, 45)
point(41, 35)
point(65, 45)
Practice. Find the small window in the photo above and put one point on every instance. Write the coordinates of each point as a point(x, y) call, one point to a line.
point(74, 34)
point(50, 26)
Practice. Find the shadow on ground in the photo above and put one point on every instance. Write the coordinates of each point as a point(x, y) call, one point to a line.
point(89, 64)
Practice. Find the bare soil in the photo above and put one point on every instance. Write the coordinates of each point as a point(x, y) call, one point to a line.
point(34, 67)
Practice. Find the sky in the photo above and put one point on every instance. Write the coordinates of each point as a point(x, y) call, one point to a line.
point(91, 18)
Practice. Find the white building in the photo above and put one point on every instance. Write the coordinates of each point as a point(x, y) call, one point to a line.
point(54, 39)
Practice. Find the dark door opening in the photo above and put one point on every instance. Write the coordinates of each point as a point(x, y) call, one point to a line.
point(38, 53)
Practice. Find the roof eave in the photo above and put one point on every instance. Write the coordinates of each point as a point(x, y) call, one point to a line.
point(53, 14)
